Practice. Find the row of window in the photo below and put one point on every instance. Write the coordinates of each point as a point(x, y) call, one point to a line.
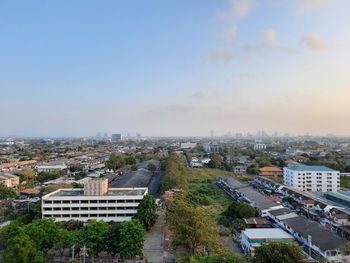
point(89, 201)
point(87, 208)
point(90, 215)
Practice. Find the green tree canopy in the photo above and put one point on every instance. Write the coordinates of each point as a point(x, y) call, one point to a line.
point(131, 243)
point(115, 162)
point(147, 211)
point(278, 253)
point(21, 249)
point(95, 236)
point(7, 192)
point(192, 227)
point(240, 210)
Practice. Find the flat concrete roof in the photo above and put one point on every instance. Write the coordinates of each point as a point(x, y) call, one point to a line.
point(266, 233)
point(111, 192)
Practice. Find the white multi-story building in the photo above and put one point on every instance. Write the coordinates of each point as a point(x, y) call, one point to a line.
point(259, 146)
point(311, 178)
point(95, 201)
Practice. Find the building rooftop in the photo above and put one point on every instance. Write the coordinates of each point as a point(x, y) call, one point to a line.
point(111, 192)
point(270, 169)
point(322, 237)
point(266, 233)
point(7, 176)
point(311, 168)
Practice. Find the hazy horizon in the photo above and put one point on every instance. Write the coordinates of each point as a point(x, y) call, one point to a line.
point(174, 68)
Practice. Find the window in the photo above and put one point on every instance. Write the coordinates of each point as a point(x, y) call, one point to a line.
point(120, 201)
point(47, 209)
point(111, 215)
point(84, 201)
point(102, 215)
point(103, 208)
point(75, 208)
point(84, 208)
point(102, 201)
point(75, 215)
point(66, 208)
point(111, 201)
point(84, 215)
point(47, 202)
point(57, 208)
point(57, 215)
point(111, 208)
point(93, 215)
point(65, 215)
point(66, 202)
point(93, 208)
point(56, 202)
point(93, 201)
point(75, 201)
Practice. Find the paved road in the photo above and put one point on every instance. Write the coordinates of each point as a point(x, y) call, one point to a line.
point(154, 243)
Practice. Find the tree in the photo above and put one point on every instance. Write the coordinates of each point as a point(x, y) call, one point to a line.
point(240, 210)
point(221, 257)
point(7, 232)
point(95, 236)
point(131, 243)
point(7, 192)
point(151, 167)
point(147, 211)
point(115, 162)
point(130, 160)
point(21, 249)
point(216, 161)
point(113, 239)
point(63, 240)
point(278, 253)
point(175, 174)
point(191, 227)
point(44, 233)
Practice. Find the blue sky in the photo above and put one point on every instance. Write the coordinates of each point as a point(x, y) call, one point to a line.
point(72, 68)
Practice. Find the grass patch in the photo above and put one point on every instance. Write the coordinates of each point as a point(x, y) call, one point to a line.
point(209, 196)
point(205, 174)
point(345, 181)
point(276, 178)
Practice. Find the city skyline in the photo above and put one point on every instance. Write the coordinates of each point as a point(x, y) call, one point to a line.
point(175, 68)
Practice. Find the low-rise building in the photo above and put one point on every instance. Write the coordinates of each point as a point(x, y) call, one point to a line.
point(9, 180)
point(51, 167)
point(311, 178)
point(270, 171)
point(188, 145)
point(251, 238)
point(240, 169)
point(95, 201)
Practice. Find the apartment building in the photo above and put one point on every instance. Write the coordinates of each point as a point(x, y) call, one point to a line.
point(95, 201)
point(311, 178)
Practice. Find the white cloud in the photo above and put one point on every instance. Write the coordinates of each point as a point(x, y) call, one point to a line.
point(238, 9)
point(231, 32)
point(270, 40)
point(312, 4)
point(314, 42)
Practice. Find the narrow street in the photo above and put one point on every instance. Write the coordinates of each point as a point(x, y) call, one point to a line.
point(154, 249)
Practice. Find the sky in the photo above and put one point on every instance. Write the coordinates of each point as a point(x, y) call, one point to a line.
point(174, 68)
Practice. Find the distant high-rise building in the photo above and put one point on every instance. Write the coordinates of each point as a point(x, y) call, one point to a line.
point(212, 133)
point(117, 137)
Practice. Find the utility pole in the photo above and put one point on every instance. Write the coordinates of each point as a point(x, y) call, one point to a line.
point(84, 253)
point(73, 252)
point(310, 244)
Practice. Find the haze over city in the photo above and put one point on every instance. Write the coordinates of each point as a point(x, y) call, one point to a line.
point(168, 68)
